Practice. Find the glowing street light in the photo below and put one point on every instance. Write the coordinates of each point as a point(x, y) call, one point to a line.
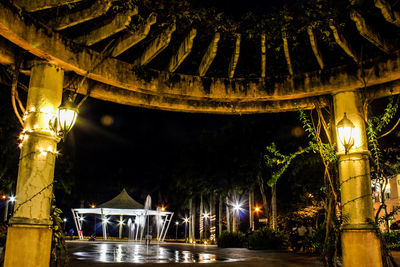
point(4, 197)
point(65, 221)
point(92, 206)
point(162, 208)
point(186, 220)
point(65, 119)
point(121, 222)
point(176, 230)
point(12, 198)
point(257, 209)
point(105, 220)
point(205, 215)
point(81, 218)
point(345, 131)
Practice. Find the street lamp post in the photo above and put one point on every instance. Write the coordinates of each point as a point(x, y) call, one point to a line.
point(5, 198)
point(176, 230)
point(12, 200)
point(206, 216)
point(360, 244)
point(186, 222)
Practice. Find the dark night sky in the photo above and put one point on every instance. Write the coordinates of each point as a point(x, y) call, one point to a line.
point(139, 147)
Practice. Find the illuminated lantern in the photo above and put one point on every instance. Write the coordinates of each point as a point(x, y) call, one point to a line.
point(65, 119)
point(345, 130)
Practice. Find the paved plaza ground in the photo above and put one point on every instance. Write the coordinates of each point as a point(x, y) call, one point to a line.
point(121, 254)
point(84, 253)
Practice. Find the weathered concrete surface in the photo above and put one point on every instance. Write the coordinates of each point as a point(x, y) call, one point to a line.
point(37, 158)
point(119, 23)
point(361, 248)
point(183, 51)
point(184, 89)
point(20, 244)
point(370, 33)
point(30, 5)
point(315, 48)
point(234, 58)
point(125, 97)
point(156, 46)
point(129, 39)
point(342, 41)
point(209, 56)
point(388, 13)
point(360, 245)
point(97, 9)
point(29, 236)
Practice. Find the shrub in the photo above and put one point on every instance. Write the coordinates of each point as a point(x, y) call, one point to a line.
point(231, 240)
point(266, 238)
point(392, 238)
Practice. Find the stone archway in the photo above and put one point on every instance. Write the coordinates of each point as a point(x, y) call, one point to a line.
point(108, 78)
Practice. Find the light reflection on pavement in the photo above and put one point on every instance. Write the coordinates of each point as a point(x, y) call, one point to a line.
point(140, 253)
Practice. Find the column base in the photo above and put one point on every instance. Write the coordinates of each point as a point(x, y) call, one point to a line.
point(28, 246)
point(361, 248)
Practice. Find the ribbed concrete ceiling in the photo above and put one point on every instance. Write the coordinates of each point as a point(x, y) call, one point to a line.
point(194, 56)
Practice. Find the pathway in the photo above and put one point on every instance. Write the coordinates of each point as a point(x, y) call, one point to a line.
point(84, 253)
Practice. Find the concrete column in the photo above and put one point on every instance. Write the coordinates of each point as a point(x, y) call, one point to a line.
point(360, 245)
point(120, 226)
point(29, 236)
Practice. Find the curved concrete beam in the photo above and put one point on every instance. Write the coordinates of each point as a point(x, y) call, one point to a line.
point(113, 72)
point(138, 99)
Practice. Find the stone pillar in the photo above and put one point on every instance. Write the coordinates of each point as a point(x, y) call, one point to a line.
point(120, 225)
point(360, 245)
point(29, 235)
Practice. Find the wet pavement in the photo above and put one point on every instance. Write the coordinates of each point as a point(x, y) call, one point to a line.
point(121, 254)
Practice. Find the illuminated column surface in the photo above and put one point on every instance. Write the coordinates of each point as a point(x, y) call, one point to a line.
point(360, 245)
point(29, 234)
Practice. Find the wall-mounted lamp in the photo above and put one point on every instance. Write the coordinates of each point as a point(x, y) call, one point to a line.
point(345, 130)
point(65, 119)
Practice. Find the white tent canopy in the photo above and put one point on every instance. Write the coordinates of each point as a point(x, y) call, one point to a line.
point(123, 205)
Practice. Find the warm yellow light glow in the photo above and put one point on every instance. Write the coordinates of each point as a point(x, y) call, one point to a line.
point(345, 131)
point(47, 110)
point(66, 119)
point(93, 206)
point(257, 209)
point(162, 208)
point(42, 151)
